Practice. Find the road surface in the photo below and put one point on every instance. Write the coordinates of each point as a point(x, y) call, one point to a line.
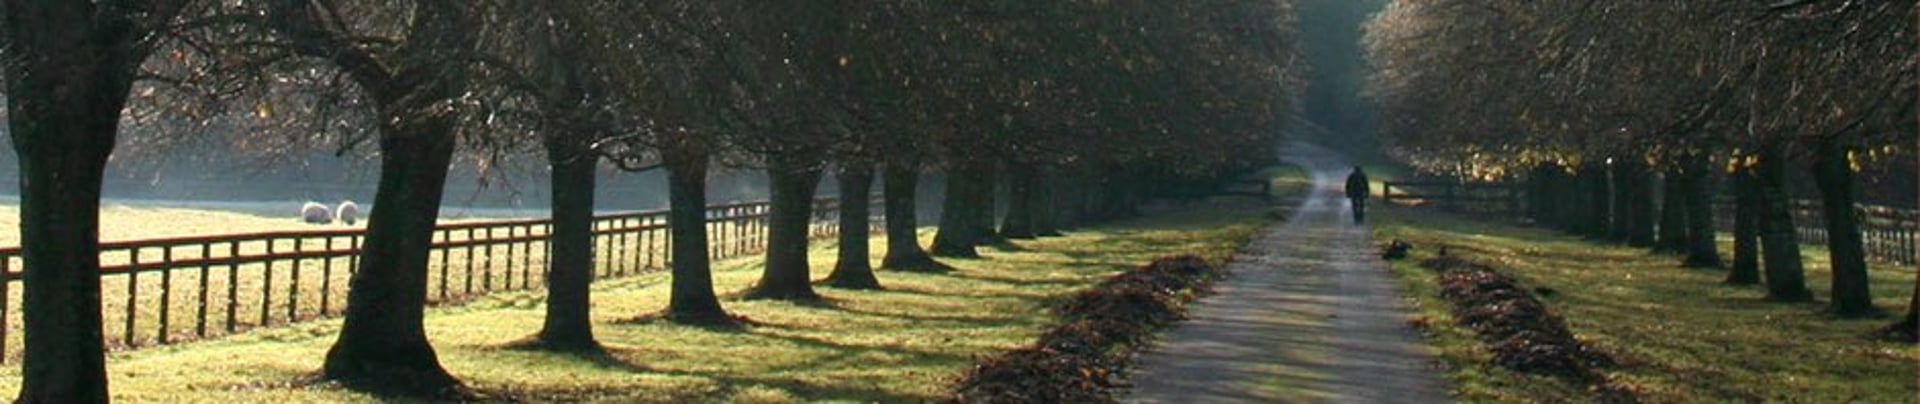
point(1309, 314)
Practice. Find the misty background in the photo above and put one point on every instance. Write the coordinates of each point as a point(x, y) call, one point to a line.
point(1333, 113)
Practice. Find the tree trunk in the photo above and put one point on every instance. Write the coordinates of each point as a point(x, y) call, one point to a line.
point(383, 343)
point(1673, 213)
point(1641, 226)
point(1833, 173)
point(65, 87)
point(854, 269)
point(1780, 248)
point(1908, 327)
point(1746, 229)
point(1045, 219)
point(569, 323)
point(1600, 208)
point(1550, 181)
point(787, 275)
point(1069, 211)
point(1703, 245)
point(987, 205)
point(903, 228)
point(957, 236)
point(1018, 224)
point(1572, 206)
point(692, 300)
point(1623, 195)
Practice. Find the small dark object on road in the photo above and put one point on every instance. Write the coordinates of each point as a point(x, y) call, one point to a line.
point(1545, 291)
point(1396, 250)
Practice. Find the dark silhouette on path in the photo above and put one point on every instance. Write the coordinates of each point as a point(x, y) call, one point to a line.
point(1357, 193)
point(1309, 314)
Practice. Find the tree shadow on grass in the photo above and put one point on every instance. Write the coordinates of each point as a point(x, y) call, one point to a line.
point(926, 317)
point(736, 323)
point(281, 378)
point(599, 355)
point(623, 359)
point(1068, 280)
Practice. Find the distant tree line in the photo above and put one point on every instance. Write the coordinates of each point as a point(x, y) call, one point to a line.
point(1625, 116)
point(1083, 109)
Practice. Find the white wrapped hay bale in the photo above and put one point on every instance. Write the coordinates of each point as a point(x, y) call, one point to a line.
point(315, 213)
point(348, 213)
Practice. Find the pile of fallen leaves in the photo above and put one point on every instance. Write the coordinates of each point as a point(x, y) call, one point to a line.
point(1082, 359)
point(1515, 325)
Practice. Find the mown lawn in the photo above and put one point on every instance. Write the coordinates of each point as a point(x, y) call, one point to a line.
point(252, 296)
point(121, 222)
point(902, 344)
point(1680, 334)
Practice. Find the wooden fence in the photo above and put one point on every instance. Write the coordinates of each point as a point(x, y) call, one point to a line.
point(168, 290)
point(1888, 233)
point(1475, 197)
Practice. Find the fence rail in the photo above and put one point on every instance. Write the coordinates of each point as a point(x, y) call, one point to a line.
point(1477, 197)
point(1887, 233)
point(160, 291)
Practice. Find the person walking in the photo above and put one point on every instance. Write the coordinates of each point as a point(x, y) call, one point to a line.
point(1357, 189)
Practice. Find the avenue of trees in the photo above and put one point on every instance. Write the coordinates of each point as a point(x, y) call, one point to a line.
point(1627, 118)
point(1081, 110)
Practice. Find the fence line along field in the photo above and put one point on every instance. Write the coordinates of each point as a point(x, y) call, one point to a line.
point(176, 274)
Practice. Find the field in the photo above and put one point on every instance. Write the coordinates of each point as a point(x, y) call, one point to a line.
point(239, 298)
point(1680, 334)
point(121, 222)
point(904, 343)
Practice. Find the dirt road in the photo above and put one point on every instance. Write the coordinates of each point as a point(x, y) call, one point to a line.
point(1309, 314)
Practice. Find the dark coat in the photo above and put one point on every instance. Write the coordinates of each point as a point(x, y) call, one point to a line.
point(1357, 185)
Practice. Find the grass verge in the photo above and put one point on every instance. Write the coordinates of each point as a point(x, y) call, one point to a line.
point(1678, 334)
point(901, 344)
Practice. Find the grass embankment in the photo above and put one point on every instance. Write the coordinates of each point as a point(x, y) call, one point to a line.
point(1679, 334)
point(902, 344)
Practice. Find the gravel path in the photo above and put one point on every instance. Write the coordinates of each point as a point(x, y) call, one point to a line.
point(1309, 314)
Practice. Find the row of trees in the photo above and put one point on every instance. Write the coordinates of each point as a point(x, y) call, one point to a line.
point(1624, 116)
point(1076, 106)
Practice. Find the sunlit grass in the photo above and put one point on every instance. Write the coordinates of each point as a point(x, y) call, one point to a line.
point(1681, 335)
point(251, 296)
point(1288, 179)
point(901, 344)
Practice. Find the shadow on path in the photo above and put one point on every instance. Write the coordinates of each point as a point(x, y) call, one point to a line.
point(1307, 314)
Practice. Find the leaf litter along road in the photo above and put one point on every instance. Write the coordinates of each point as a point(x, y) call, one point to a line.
point(1308, 314)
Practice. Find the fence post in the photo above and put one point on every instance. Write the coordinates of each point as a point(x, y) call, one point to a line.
point(233, 286)
point(326, 279)
point(166, 290)
point(6, 302)
point(486, 263)
point(266, 289)
point(200, 324)
point(446, 264)
point(133, 292)
point(293, 284)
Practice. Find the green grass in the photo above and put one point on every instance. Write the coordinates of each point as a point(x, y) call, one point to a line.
point(902, 344)
point(1287, 180)
point(293, 293)
point(1680, 334)
point(120, 223)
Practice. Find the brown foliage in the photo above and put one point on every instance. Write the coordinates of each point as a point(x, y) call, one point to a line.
point(1080, 360)
point(1522, 334)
